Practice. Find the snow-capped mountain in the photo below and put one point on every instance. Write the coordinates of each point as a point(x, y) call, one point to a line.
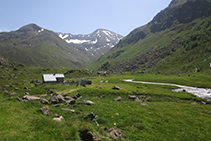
point(95, 44)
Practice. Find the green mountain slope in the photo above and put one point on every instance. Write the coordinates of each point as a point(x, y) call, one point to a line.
point(35, 46)
point(177, 40)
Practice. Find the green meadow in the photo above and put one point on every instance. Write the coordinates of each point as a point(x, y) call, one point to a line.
point(158, 114)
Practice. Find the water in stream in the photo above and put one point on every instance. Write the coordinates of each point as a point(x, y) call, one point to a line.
point(200, 92)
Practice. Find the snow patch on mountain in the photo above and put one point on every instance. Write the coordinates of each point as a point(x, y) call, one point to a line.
point(95, 44)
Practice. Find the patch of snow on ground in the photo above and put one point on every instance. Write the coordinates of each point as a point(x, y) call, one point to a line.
point(63, 37)
point(41, 30)
point(108, 40)
point(94, 42)
point(76, 41)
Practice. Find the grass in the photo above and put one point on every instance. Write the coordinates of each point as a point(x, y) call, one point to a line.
point(167, 116)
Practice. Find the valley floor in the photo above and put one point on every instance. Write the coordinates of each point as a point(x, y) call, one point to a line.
point(137, 111)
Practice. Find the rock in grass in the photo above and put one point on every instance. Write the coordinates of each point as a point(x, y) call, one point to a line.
point(87, 102)
point(45, 110)
point(60, 118)
point(118, 99)
point(115, 88)
point(71, 101)
point(132, 97)
point(56, 98)
point(90, 116)
point(56, 105)
point(86, 135)
point(50, 91)
point(144, 104)
point(116, 134)
point(28, 97)
point(70, 110)
point(43, 101)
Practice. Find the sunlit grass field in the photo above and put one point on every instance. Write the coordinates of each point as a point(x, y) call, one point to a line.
point(166, 115)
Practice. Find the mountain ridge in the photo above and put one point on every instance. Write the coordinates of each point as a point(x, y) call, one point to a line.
point(152, 46)
point(36, 46)
point(94, 44)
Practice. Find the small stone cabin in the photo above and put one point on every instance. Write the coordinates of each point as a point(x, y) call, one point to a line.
point(53, 78)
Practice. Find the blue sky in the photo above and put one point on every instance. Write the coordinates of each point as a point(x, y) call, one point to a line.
point(79, 16)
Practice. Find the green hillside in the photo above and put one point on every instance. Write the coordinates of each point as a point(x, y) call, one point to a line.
point(37, 47)
point(176, 40)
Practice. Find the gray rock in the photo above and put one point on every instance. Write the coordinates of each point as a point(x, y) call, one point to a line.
point(26, 88)
point(28, 97)
point(132, 97)
point(77, 96)
point(56, 105)
point(71, 101)
point(60, 118)
point(144, 104)
point(118, 99)
point(53, 100)
point(43, 101)
point(115, 88)
point(116, 134)
point(90, 117)
point(67, 97)
point(60, 98)
point(50, 91)
point(45, 110)
point(56, 98)
point(70, 110)
point(87, 102)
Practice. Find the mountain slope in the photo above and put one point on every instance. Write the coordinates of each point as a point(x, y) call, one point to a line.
point(35, 46)
point(93, 45)
point(176, 40)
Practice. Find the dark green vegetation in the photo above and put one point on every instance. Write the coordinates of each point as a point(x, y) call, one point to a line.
point(167, 116)
point(37, 47)
point(176, 41)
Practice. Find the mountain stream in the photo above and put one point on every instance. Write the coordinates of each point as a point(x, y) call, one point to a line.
point(200, 92)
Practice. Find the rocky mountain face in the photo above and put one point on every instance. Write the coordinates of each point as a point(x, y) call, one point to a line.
point(93, 45)
point(35, 46)
point(176, 40)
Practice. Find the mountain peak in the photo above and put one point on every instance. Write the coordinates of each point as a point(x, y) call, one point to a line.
point(30, 27)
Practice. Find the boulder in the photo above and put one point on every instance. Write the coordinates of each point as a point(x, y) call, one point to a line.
point(43, 101)
point(56, 105)
point(71, 101)
point(60, 118)
point(67, 97)
point(86, 135)
point(144, 104)
point(87, 102)
point(60, 98)
point(56, 98)
point(45, 110)
point(50, 91)
point(53, 100)
point(115, 88)
point(77, 96)
point(118, 99)
point(116, 134)
point(70, 110)
point(132, 97)
point(28, 97)
point(90, 116)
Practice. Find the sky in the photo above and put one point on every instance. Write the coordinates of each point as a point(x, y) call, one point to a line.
point(79, 16)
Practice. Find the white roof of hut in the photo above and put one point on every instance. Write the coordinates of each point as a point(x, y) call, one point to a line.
point(52, 77)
